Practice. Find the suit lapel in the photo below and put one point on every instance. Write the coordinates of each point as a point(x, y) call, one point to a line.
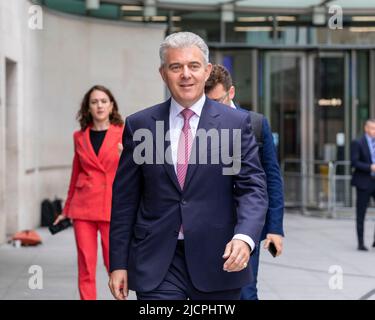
point(366, 148)
point(89, 148)
point(209, 119)
point(108, 142)
point(164, 151)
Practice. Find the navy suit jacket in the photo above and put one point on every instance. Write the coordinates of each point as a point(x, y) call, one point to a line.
point(270, 164)
point(148, 205)
point(361, 162)
point(268, 158)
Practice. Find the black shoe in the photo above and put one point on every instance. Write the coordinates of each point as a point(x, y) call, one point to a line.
point(362, 248)
point(373, 245)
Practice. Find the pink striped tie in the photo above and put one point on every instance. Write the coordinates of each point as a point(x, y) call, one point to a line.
point(183, 152)
point(184, 147)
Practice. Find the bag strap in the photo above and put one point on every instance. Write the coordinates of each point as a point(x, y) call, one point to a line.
point(257, 124)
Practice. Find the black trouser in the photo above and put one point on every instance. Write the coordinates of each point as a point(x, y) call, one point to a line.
point(363, 198)
point(177, 284)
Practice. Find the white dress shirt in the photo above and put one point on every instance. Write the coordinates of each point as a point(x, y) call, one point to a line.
point(176, 122)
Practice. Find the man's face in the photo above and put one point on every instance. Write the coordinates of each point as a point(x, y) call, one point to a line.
point(370, 129)
point(219, 94)
point(185, 74)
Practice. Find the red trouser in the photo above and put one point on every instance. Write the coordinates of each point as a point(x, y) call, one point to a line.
point(86, 234)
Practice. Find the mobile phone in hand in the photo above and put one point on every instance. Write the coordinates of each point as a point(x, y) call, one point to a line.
point(272, 249)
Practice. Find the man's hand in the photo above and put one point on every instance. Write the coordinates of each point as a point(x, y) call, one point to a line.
point(59, 218)
point(277, 241)
point(118, 283)
point(237, 253)
point(373, 167)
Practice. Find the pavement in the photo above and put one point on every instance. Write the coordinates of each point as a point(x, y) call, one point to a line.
point(319, 262)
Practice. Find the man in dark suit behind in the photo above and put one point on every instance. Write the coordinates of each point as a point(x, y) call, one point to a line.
point(363, 162)
point(186, 230)
point(219, 87)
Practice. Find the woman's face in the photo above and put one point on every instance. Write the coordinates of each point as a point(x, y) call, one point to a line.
point(100, 106)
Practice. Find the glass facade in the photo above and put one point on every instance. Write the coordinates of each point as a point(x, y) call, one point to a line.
point(316, 102)
point(281, 100)
point(362, 84)
point(294, 22)
point(329, 105)
point(240, 66)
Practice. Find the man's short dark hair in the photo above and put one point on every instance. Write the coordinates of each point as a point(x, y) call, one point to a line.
point(219, 75)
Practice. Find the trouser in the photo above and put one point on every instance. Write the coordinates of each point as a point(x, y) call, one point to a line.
point(363, 198)
point(250, 292)
point(86, 234)
point(177, 284)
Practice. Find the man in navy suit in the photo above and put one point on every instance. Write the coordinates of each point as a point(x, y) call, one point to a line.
point(219, 87)
point(178, 230)
point(363, 162)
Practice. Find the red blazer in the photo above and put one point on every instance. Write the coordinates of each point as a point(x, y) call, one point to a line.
point(90, 190)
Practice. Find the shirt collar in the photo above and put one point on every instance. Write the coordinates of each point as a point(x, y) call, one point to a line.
point(197, 107)
point(368, 137)
point(232, 105)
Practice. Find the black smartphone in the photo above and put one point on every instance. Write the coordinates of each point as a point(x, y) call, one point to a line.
point(63, 224)
point(272, 249)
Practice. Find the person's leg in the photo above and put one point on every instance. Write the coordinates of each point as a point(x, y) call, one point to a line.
point(165, 291)
point(177, 284)
point(215, 295)
point(86, 241)
point(174, 285)
point(195, 294)
point(104, 236)
point(363, 198)
point(373, 244)
point(250, 292)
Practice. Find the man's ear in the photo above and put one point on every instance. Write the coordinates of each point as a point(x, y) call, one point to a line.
point(162, 72)
point(208, 70)
point(232, 92)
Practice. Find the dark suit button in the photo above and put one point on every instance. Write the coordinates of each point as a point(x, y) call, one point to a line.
point(183, 202)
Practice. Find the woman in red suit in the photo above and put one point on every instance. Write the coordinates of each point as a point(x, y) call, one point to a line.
point(97, 149)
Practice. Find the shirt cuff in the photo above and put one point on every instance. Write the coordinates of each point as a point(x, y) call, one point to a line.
point(245, 238)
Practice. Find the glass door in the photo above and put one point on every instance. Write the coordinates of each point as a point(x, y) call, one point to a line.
point(316, 102)
point(283, 101)
point(330, 106)
point(331, 114)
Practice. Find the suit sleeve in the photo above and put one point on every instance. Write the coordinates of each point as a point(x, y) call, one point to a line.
point(355, 158)
point(250, 190)
point(76, 169)
point(275, 214)
point(126, 192)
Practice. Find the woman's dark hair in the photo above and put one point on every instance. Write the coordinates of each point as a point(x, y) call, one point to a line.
point(84, 117)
